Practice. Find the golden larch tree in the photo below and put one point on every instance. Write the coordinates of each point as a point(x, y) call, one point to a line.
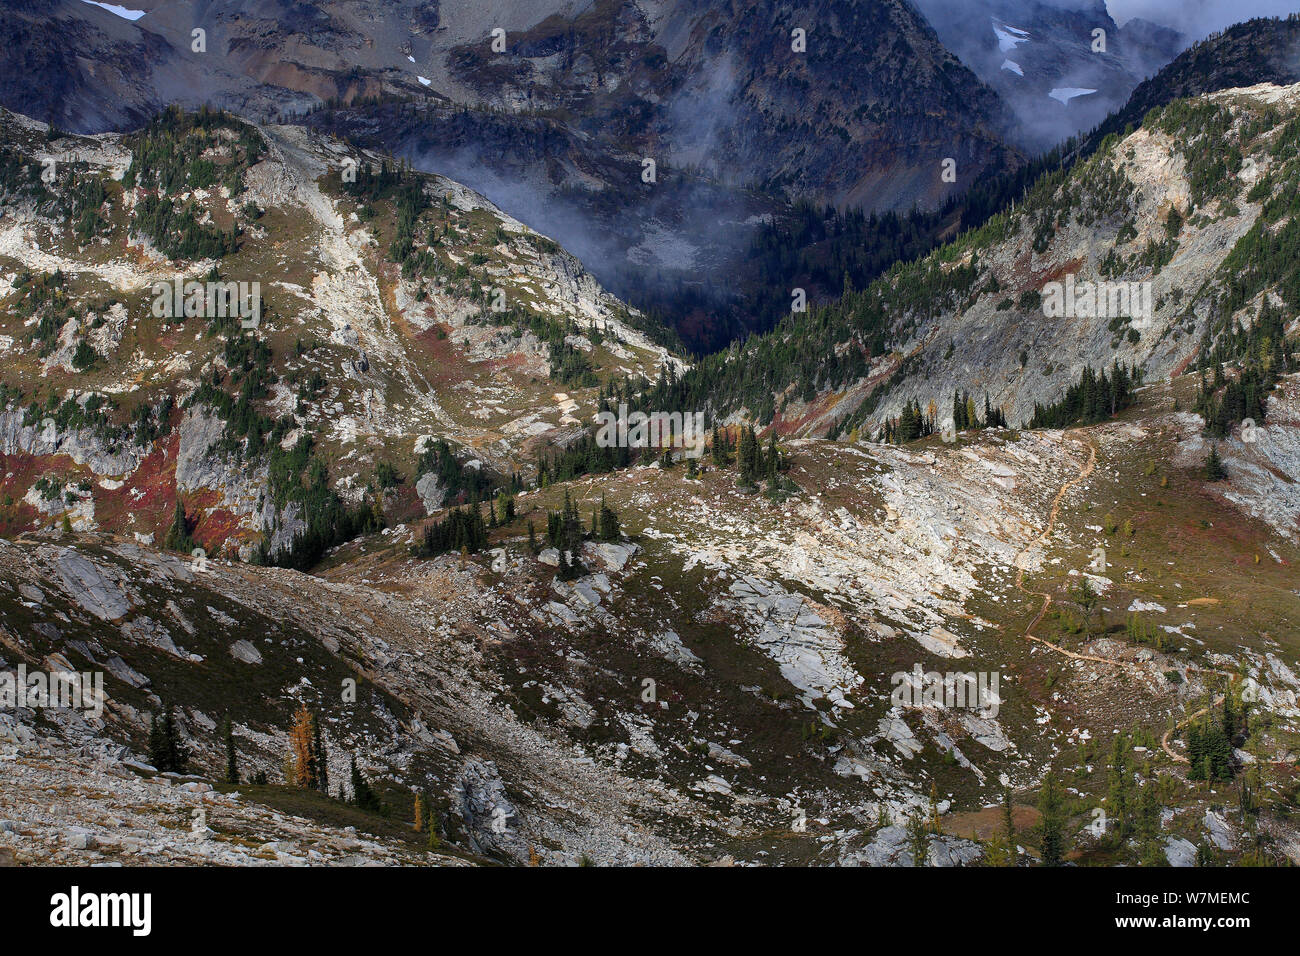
point(300, 748)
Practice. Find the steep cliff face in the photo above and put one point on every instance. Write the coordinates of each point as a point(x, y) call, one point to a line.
point(85, 69)
point(858, 109)
point(94, 69)
point(851, 103)
point(1060, 67)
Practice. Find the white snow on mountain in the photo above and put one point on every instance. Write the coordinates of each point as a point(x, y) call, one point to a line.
point(113, 8)
point(1067, 93)
point(1013, 67)
point(1009, 37)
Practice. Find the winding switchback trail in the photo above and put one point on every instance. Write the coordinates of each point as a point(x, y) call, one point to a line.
point(1084, 473)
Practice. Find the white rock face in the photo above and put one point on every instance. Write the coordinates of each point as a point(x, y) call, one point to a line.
point(431, 495)
point(810, 655)
point(91, 588)
point(242, 650)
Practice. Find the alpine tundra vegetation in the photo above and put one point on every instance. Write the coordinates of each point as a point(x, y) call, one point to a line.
point(632, 432)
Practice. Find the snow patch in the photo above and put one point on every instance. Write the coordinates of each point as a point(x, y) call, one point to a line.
point(1009, 37)
point(113, 8)
point(1066, 93)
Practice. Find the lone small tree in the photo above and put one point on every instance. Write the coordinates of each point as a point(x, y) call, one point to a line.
point(1085, 596)
point(1008, 819)
point(178, 535)
point(918, 838)
point(607, 521)
point(1214, 470)
point(363, 795)
point(301, 750)
point(319, 757)
point(1051, 828)
point(232, 763)
point(431, 825)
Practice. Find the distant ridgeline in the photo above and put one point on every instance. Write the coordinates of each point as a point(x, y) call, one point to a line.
point(833, 345)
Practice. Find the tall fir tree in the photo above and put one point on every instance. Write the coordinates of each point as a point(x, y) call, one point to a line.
point(1051, 826)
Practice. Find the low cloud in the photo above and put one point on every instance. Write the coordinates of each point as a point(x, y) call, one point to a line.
point(1197, 18)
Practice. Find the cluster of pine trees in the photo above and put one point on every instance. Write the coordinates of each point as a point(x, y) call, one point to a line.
point(169, 156)
point(1264, 357)
point(19, 177)
point(1132, 812)
point(1094, 398)
point(501, 510)
point(458, 482)
point(564, 532)
point(83, 204)
point(909, 425)
point(176, 232)
point(913, 423)
point(167, 752)
point(426, 821)
point(754, 464)
point(302, 477)
point(1053, 840)
point(1141, 631)
point(297, 475)
point(570, 366)
point(965, 416)
point(248, 431)
point(462, 529)
point(582, 457)
point(1210, 741)
point(307, 763)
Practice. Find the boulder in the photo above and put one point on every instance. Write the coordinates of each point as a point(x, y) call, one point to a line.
point(244, 651)
point(91, 588)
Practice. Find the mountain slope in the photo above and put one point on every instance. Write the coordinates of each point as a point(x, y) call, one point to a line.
point(559, 124)
point(1196, 203)
point(1263, 50)
point(716, 686)
point(391, 309)
point(642, 78)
